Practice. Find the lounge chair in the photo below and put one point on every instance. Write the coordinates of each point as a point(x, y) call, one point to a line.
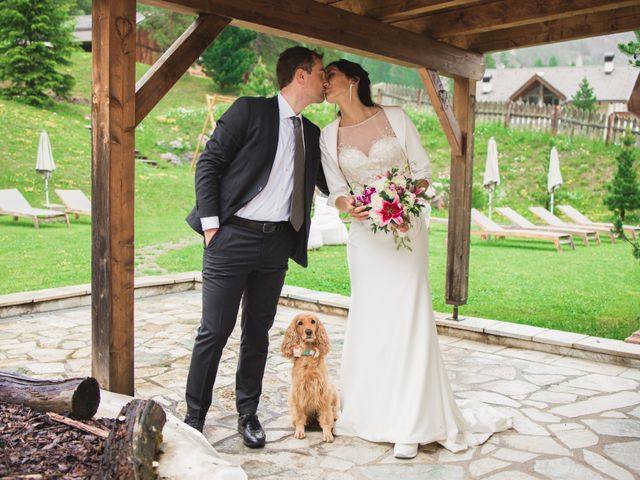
point(489, 227)
point(520, 222)
point(75, 202)
point(13, 203)
point(579, 219)
point(549, 218)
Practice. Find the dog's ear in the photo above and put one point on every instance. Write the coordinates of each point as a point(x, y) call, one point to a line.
point(291, 339)
point(323, 339)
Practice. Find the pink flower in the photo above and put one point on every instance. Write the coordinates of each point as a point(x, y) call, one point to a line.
point(365, 197)
point(390, 212)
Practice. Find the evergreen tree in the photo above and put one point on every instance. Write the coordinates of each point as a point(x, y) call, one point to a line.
point(489, 61)
point(624, 190)
point(81, 7)
point(538, 62)
point(229, 57)
point(553, 61)
point(632, 49)
point(35, 40)
point(260, 82)
point(584, 99)
point(163, 25)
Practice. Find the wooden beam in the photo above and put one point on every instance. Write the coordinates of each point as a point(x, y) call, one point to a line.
point(398, 10)
point(442, 106)
point(325, 25)
point(457, 281)
point(580, 26)
point(113, 185)
point(166, 71)
point(501, 14)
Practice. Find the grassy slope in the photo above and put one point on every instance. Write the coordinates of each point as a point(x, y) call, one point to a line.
point(587, 290)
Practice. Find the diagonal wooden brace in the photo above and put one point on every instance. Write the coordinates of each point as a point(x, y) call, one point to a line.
point(443, 108)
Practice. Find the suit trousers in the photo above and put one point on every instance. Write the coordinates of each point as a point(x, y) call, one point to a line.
point(239, 264)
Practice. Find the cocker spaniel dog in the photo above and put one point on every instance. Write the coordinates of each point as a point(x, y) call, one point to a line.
point(312, 394)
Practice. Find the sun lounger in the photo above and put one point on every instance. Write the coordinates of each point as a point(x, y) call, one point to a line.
point(549, 218)
point(489, 227)
point(75, 202)
point(579, 219)
point(521, 222)
point(13, 203)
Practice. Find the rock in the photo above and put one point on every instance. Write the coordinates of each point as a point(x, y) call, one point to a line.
point(172, 158)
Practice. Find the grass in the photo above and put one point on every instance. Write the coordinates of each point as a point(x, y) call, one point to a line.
point(592, 290)
point(512, 280)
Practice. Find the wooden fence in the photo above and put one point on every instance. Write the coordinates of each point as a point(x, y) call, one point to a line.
point(549, 118)
point(559, 119)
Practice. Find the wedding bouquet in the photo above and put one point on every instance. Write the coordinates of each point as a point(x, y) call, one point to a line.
point(393, 201)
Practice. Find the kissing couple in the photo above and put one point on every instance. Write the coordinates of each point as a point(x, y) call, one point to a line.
point(254, 185)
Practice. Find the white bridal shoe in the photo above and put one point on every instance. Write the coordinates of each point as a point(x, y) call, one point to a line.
point(405, 450)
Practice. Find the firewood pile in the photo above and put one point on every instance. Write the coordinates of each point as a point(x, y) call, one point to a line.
point(46, 432)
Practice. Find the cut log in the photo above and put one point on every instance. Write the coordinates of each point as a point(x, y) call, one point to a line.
point(130, 449)
point(78, 396)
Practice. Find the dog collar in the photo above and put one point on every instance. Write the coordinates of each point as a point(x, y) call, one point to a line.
point(309, 352)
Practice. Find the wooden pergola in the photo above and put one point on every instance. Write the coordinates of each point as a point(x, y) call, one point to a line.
point(447, 37)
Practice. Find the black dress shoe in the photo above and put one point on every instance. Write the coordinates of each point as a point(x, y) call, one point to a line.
point(194, 422)
point(253, 435)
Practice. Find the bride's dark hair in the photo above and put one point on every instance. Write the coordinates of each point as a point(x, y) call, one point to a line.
point(355, 71)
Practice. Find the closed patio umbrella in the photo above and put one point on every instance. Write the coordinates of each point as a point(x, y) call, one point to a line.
point(491, 174)
point(45, 164)
point(554, 180)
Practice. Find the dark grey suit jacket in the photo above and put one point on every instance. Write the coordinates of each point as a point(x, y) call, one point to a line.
point(237, 161)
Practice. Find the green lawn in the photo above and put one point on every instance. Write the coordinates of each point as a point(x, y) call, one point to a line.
point(592, 290)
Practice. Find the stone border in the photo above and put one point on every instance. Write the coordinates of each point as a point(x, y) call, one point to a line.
point(50, 299)
point(494, 332)
point(507, 334)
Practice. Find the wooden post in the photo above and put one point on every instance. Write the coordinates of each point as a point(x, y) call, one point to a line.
point(113, 127)
point(460, 184)
point(555, 119)
point(507, 115)
point(610, 120)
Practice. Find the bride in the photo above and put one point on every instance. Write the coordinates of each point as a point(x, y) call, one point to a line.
point(393, 383)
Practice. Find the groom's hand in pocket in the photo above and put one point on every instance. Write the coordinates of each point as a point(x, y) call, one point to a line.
point(208, 235)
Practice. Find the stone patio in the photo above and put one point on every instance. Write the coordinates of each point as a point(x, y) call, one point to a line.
point(574, 418)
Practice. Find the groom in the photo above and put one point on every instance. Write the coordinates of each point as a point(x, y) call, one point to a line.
point(254, 189)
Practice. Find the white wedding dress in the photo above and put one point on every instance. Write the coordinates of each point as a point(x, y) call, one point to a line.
point(394, 387)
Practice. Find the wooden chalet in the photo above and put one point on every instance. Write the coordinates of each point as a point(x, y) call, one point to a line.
point(444, 36)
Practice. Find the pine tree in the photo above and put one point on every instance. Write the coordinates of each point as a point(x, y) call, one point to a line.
point(260, 82)
point(489, 61)
point(229, 57)
point(584, 99)
point(35, 40)
point(632, 49)
point(624, 190)
point(553, 61)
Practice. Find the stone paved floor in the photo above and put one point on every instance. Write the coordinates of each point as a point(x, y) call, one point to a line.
point(574, 419)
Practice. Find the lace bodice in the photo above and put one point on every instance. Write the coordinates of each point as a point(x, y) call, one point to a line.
point(368, 149)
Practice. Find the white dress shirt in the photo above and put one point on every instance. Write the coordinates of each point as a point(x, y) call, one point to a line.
point(273, 203)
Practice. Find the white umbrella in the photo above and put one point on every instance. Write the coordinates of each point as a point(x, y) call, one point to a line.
point(45, 164)
point(491, 174)
point(554, 180)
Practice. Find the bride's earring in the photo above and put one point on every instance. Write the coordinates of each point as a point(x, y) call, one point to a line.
point(350, 88)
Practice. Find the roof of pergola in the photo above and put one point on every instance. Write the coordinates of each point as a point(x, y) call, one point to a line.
point(443, 35)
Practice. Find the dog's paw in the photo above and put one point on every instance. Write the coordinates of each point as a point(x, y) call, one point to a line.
point(299, 434)
point(327, 437)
